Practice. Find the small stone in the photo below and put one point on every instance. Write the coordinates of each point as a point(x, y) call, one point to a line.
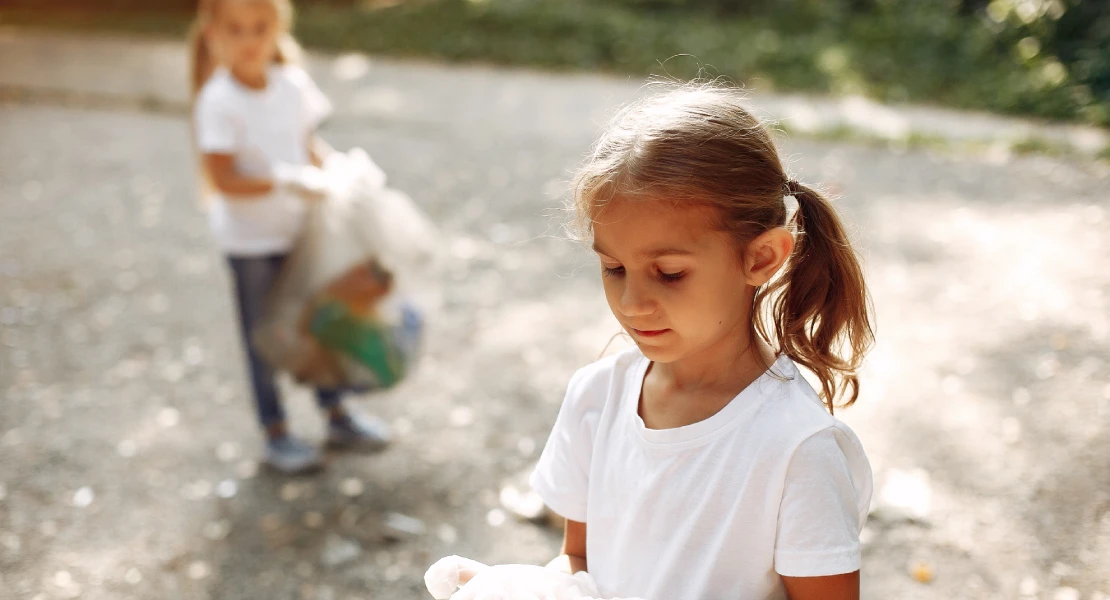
point(1065, 593)
point(922, 572)
point(198, 570)
point(198, 490)
point(127, 448)
point(84, 497)
point(398, 526)
point(246, 469)
point(63, 579)
point(290, 492)
point(351, 487)
point(227, 489)
point(495, 517)
point(217, 530)
point(338, 550)
point(462, 416)
point(169, 417)
point(194, 355)
point(133, 576)
point(447, 534)
point(313, 519)
point(227, 451)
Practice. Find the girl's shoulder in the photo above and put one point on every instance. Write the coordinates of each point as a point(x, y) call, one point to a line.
point(792, 411)
point(220, 89)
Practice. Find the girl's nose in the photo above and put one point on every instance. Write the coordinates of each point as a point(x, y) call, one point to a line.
point(635, 300)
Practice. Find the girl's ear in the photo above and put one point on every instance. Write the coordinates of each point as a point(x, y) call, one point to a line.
point(766, 254)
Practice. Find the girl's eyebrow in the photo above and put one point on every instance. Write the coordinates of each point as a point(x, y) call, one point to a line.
point(651, 254)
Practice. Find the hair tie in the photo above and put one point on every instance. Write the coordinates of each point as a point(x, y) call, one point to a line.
point(791, 188)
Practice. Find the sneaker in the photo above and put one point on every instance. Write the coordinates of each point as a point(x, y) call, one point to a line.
point(291, 456)
point(359, 431)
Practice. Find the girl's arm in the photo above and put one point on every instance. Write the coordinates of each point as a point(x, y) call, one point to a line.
point(573, 558)
point(833, 587)
point(236, 186)
point(318, 149)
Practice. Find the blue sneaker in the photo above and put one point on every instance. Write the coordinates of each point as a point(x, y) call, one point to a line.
point(291, 456)
point(355, 430)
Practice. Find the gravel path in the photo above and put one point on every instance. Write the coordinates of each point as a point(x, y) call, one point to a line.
point(127, 445)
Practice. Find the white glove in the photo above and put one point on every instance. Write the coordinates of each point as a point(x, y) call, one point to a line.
point(505, 582)
point(308, 181)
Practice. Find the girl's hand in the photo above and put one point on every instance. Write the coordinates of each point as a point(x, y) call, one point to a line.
point(309, 182)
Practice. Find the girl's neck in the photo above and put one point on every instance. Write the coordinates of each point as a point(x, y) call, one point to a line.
point(250, 78)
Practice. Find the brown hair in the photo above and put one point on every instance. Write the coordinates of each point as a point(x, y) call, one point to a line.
point(696, 143)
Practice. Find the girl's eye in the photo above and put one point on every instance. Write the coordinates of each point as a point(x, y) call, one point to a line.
point(612, 271)
point(671, 277)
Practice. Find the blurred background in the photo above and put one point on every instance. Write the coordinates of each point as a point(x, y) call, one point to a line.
point(967, 142)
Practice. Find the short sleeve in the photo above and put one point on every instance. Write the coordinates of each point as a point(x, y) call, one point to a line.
point(824, 505)
point(216, 125)
point(562, 475)
point(315, 106)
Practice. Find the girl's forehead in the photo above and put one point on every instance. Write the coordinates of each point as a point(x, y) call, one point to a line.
point(645, 227)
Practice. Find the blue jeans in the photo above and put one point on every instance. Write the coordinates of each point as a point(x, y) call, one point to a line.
point(254, 277)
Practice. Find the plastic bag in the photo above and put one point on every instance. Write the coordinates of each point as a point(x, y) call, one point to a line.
point(336, 319)
point(505, 582)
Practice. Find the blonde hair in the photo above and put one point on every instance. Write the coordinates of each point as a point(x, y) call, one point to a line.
point(202, 61)
point(696, 143)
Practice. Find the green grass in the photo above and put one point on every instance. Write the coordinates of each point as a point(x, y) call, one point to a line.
point(911, 52)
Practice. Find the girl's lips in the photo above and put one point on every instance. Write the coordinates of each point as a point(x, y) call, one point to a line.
point(650, 333)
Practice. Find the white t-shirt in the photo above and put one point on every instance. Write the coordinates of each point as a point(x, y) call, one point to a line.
point(260, 128)
point(771, 485)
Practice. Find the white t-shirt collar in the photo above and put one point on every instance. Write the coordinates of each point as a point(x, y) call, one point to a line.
point(695, 434)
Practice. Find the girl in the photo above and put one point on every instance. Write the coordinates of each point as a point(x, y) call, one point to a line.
point(700, 465)
point(255, 119)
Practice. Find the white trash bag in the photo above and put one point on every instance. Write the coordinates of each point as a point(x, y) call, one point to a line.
point(505, 582)
point(336, 319)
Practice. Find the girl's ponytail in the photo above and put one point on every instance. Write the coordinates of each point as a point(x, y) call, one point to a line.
point(821, 310)
point(201, 61)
